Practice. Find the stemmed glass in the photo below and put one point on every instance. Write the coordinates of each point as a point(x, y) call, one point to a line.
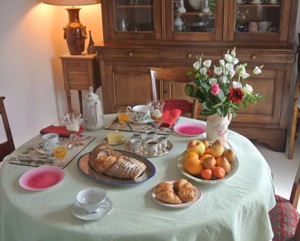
point(72, 122)
point(156, 112)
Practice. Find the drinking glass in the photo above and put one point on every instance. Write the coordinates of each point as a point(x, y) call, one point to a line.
point(59, 152)
point(123, 116)
point(156, 112)
point(72, 122)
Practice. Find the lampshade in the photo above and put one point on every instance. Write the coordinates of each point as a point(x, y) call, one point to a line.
point(74, 32)
point(71, 2)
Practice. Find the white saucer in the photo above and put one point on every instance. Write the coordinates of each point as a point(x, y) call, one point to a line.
point(141, 122)
point(80, 213)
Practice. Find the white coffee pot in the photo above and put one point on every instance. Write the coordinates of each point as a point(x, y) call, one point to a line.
point(92, 111)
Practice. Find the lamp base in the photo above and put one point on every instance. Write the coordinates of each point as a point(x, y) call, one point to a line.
point(75, 32)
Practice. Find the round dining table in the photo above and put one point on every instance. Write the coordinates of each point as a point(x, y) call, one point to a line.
point(235, 209)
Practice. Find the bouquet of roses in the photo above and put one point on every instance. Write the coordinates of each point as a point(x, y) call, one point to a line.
point(222, 89)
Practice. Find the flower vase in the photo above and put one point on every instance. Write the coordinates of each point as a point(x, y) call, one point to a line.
point(91, 48)
point(216, 128)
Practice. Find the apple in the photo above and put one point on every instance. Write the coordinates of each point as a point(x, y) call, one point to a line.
point(196, 146)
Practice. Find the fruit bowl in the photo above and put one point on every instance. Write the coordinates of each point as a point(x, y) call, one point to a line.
point(234, 168)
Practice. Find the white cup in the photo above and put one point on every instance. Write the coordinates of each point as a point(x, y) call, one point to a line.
point(50, 140)
point(139, 113)
point(152, 147)
point(91, 199)
point(264, 26)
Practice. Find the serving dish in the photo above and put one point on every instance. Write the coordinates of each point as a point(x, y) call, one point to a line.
point(234, 168)
point(123, 140)
point(182, 205)
point(41, 178)
point(142, 151)
point(86, 169)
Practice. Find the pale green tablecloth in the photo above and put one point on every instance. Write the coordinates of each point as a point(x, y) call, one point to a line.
point(236, 209)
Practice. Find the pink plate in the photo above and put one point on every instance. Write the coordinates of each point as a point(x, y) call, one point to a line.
point(41, 178)
point(190, 129)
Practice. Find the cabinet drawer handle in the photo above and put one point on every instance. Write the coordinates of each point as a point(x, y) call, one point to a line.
point(190, 55)
point(253, 56)
point(130, 54)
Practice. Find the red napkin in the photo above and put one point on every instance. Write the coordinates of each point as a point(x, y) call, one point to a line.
point(170, 116)
point(60, 130)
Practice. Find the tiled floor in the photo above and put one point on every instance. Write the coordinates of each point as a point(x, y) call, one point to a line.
point(283, 169)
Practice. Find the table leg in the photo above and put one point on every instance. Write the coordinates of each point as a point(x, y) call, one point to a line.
point(80, 101)
point(68, 94)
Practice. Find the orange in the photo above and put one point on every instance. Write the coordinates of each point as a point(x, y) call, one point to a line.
point(218, 172)
point(204, 156)
point(193, 166)
point(192, 154)
point(206, 174)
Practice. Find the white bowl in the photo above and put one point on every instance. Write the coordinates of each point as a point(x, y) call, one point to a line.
point(91, 199)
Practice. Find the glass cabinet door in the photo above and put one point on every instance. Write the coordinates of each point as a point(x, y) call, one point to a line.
point(258, 20)
point(134, 19)
point(195, 20)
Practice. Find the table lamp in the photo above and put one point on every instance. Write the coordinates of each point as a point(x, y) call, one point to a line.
point(74, 32)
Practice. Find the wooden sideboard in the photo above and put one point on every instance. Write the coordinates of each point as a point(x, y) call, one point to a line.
point(125, 57)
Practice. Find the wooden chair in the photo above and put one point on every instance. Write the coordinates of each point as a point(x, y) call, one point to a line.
point(284, 216)
point(168, 85)
point(8, 146)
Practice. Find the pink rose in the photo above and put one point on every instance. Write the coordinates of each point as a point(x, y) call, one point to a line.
point(215, 89)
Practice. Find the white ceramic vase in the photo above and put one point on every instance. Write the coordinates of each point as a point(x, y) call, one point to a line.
point(217, 127)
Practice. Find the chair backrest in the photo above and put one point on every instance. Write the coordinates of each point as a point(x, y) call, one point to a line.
point(8, 145)
point(168, 84)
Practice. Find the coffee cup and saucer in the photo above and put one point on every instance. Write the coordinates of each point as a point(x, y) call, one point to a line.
point(139, 114)
point(91, 203)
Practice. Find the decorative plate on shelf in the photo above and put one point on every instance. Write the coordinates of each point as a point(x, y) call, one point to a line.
point(86, 169)
point(234, 168)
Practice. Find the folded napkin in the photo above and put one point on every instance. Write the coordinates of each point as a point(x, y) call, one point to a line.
point(170, 116)
point(60, 130)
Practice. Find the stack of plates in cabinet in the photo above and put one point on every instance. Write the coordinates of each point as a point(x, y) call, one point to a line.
point(241, 1)
point(272, 2)
point(256, 2)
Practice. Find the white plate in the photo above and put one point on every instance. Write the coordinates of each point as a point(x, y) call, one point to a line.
point(80, 213)
point(234, 168)
point(41, 178)
point(256, 2)
point(182, 205)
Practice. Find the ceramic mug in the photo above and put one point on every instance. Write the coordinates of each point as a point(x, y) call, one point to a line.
point(264, 26)
point(50, 140)
point(139, 113)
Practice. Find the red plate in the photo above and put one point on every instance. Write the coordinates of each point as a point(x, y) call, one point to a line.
point(190, 129)
point(41, 178)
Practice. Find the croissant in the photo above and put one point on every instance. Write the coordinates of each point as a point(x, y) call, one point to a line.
point(168, 197)
point(164, 186)
point(186, 194)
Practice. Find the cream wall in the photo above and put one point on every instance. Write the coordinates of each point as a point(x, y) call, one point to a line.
point(31, 42)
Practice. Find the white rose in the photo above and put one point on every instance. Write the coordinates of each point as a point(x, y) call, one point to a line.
point(197, 65)
point(233, 53)
point(228, 58)
point(229, 67)
point(203, 71)
point(235, 61)
point(231, 73)
point(207, 63)
point(213, 81)
point(222, 62)
point(224, 79)
point(244, 75)
point(248, 89)
point(218, 70)
point(257, 70)
point(236, 84)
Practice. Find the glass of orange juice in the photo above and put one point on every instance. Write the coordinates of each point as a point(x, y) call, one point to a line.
point(59, 152)
point(156, 112)
point(123, 116)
